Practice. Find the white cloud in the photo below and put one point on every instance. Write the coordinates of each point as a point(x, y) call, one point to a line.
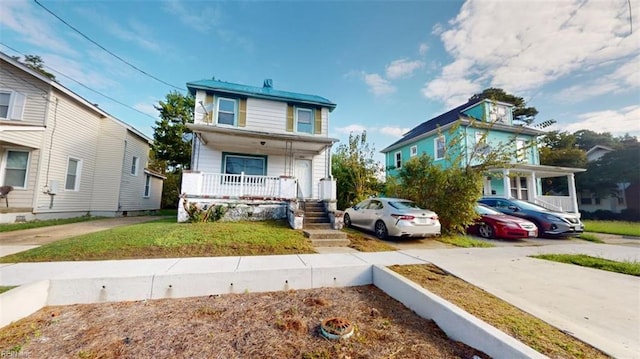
point(19, 17)
point(201, 16)
point(423, 48)
point(394, 131)
point(521, 46)
point(378, 85)
point(357, 129)
point(79, 71)
point(402, 68)
point(136, 33)
point(147, 107)
point(625, 120)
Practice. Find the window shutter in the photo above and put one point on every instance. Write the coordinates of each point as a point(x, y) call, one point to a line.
point(317, 128)
point(289, 118)
point(17, 109)
point(242, 116)
point(209, 104)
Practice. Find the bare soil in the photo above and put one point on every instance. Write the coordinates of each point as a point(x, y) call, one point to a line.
point(251, 325)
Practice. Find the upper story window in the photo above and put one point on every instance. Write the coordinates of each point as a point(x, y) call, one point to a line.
point(134, 165)
point(521, 150)
point(72, 182)
point(226, 111)
point(413, 151)
point(499, 114)
point(15, 170)
point(398, 158)
point(304, 120)
point(11, 105)
point(439, 147)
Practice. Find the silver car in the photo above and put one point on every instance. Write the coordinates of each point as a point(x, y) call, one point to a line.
point(393, 217)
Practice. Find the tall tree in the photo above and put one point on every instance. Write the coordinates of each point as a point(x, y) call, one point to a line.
point(522, 113)
point(586, 139)
point(619, 166)
point(560, 149)
point(172, 138)
point(355, 170)
point(36, 63)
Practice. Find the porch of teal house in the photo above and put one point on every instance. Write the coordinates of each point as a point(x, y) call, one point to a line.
point(532, 183)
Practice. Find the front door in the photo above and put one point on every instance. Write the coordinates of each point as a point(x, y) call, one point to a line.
point(303, 174)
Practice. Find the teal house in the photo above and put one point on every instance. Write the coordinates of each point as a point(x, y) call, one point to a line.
point(476, 128)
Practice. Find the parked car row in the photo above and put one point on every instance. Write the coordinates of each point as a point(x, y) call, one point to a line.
point(498, 218)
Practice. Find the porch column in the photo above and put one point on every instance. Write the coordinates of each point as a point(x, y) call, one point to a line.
point(506, 183)
point(533, 187)
point(572, 192)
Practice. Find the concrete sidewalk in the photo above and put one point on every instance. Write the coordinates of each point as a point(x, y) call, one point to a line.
point(599, 307)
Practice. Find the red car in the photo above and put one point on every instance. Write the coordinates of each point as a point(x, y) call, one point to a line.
point(494, 224)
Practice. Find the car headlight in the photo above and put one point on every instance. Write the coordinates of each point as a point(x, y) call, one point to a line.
point(508, 224)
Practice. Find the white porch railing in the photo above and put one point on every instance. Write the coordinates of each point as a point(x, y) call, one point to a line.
point(228, 185)
point(557, 203)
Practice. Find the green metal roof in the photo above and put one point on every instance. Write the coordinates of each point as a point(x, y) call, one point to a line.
point(265, 92)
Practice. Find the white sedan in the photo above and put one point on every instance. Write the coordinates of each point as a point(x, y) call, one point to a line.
point(393, 217)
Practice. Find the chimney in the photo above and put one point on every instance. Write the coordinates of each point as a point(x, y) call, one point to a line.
point(268, 83)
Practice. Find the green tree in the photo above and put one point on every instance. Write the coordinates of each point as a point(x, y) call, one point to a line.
point(521, 113)
point(171, 150)
point(355, 170)
point(586, 139)
point(35, 62)
point(172, 138)
point(561, 149)
point(619, 166)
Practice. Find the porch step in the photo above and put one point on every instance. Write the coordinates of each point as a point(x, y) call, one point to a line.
point(320, 219)
point(327, 238)
point(317, 226)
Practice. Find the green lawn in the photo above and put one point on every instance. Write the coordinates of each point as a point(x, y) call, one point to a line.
point(167, 239)
point(613, 227)
point(50, 222)
point(626, 267)
point(463, 241)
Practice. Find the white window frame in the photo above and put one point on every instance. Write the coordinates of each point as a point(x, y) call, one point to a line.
point(235, 111)
point(147, 186)
point(521, 150)
point(496, 117)
point(437, 140)
point(311, 121)
point(4, 166)
point(135, 163)
point(78, 174)
point(398, 159)
point(413, 151)
point(15, 109)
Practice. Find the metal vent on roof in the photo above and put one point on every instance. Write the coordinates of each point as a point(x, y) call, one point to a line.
point(268, 83)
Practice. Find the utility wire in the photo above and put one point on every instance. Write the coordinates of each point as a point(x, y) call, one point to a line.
point(83, 85)
point(103, 48)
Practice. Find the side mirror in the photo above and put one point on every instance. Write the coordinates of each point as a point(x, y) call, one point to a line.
point(514, 208)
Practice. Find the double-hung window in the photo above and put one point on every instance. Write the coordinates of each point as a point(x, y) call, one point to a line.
point(15, 171)
point(439, 147)
point(304, 120)
point(226, 111)
point(147, 186)
point(413, 151)
point(11, 105)
point(74, 166)
point(521, 150)
point(134, 165)
point(398, 159)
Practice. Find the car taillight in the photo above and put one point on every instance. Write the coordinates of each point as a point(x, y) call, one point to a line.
point(435, 218)
point(402, 217)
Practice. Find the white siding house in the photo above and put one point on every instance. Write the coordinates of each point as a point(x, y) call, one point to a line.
point(257, 148)
point(63, 156)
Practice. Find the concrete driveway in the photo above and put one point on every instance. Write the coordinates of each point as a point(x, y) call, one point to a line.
point(18, 241)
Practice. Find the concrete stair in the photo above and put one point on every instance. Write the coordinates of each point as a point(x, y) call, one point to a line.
point(317, 227)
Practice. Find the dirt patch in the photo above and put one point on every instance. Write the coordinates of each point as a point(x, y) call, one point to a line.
point(252, 325)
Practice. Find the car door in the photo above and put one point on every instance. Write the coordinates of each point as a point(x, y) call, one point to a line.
point(373, 212)
point(358, 215)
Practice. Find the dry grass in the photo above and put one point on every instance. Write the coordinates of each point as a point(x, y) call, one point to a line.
point(500, 314)
point(366, 243)
point(252, 325)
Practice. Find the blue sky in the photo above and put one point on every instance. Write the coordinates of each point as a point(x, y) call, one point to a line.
point(388, 65)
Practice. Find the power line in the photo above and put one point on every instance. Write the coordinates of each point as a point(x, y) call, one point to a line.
point(103, 48)
point(85, 86)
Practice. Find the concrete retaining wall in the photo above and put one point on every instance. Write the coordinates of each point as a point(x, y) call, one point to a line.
point(458, 324)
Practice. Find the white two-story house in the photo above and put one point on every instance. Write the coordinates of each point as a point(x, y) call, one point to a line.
point(258, 151)
point(62, 156)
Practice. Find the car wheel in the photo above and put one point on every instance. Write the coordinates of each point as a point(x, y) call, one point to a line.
point(381, 230)
point(347, 220)
point(486, 231)
point(540, 229)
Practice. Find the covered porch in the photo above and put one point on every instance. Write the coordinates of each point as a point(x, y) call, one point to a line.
point(547, 186)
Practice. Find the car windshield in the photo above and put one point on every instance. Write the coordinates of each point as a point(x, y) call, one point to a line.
point(482, 210)
point(404, 205)
point(529, 206)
